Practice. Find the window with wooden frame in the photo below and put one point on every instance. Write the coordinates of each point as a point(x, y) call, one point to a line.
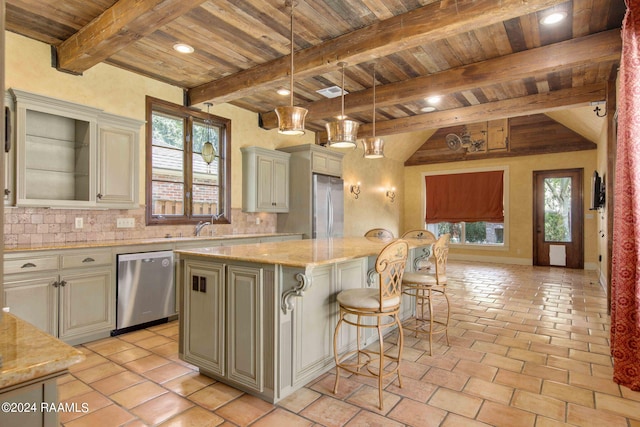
point(181, 188)
point(469, 205)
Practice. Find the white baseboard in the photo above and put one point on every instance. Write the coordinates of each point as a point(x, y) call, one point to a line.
point(509, 260)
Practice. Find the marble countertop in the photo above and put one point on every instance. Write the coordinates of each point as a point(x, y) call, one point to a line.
point(131, 242)
point(28, 353)
point(301, 253)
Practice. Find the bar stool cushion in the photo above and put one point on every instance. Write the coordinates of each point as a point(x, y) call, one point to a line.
point(365, 298)
point(422, 279)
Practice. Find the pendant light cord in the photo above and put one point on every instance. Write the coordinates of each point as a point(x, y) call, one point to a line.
point(373, 121)
point(291, 75)
point(342, 91)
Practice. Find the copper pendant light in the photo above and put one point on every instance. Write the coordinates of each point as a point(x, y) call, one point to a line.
point(342, 133)
point(373, 147)
point(290, 118)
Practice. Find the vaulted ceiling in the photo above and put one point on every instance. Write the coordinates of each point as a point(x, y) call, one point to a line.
point(487, 59)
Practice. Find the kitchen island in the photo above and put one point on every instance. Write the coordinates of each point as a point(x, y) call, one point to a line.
point(30, 363)
point(260, 317)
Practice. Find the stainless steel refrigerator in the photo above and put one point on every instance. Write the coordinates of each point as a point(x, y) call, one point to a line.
point(328, 206)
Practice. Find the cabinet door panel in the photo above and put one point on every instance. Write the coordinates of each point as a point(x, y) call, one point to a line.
point(281, 185)
point(265, 184)
point(203, 315)
point(245, 339)
point(34, 300)
point(86, 303)
point(116, 167)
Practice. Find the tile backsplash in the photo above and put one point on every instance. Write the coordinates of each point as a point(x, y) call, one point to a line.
point(43, 226)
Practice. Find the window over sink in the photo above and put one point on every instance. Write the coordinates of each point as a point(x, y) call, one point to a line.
point(181, 187)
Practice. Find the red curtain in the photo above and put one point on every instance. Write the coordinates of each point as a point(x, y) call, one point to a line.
point(465, 197)
point(625, 276)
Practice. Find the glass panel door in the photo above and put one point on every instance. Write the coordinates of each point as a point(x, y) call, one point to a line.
point(557, 212)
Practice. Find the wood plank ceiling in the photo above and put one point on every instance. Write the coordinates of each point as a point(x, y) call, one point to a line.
point(486, 59)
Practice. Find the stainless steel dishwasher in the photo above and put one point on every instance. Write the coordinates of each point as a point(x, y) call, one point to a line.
point(146, 290)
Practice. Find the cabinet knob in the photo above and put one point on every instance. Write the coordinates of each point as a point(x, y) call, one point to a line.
point(7, 191)
point(54, 284)
point(63, 282)
point(28, 265)
point(88, 259)
point(99, 195)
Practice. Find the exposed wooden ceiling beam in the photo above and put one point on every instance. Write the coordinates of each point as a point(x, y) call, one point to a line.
point(117, 27)
point(427, 24)
point(532, 104)
point(605, 46)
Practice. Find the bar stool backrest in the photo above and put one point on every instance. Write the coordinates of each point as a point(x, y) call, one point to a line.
point(382, 233)
point(390, 268)
point(419, 234)
point(441, 253)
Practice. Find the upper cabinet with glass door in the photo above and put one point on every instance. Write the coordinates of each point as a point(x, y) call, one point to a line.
point(57, 158)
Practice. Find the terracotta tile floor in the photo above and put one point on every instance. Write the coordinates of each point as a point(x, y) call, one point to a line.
point(528, 347)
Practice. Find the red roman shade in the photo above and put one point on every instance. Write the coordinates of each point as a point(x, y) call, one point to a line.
point(468, 197)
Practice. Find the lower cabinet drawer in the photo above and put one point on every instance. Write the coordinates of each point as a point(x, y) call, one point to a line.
point(87, 259)
point(29, 265)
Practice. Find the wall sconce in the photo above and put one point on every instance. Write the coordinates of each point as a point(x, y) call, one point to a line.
point(355, 190)
point(391, 194)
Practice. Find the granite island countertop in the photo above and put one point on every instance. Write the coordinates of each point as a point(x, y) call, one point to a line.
point(29, 353)
point(305, 253)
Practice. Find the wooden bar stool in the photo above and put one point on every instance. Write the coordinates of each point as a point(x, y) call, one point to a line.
point(423, 286)
point(381, 303)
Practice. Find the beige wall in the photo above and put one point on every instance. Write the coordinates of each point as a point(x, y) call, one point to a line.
point(120, 92)
point(372, 209)
point(520, 202)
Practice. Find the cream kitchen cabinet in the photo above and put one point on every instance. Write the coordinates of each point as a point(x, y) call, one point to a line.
point(222, 321)
point(117, 163)
point(73, 156)
point(265, 180)
point(70, 295)
point(314, 158)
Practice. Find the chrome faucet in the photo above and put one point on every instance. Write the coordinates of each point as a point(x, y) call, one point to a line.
point(200, 226)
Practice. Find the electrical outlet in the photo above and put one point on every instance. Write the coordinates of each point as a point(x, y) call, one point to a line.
point(125, 222)
point(79, 223)
point(258, 221)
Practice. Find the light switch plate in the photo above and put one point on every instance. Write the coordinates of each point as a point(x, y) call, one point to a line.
point(79, 223)
point(125, 222)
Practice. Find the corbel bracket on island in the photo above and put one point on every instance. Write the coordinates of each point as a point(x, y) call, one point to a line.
point(297, 291)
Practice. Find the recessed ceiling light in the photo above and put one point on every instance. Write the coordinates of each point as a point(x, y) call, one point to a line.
point(553, 18)
point(428, 109)
point(283, 91)
point(182, 48)
point(434, 99)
